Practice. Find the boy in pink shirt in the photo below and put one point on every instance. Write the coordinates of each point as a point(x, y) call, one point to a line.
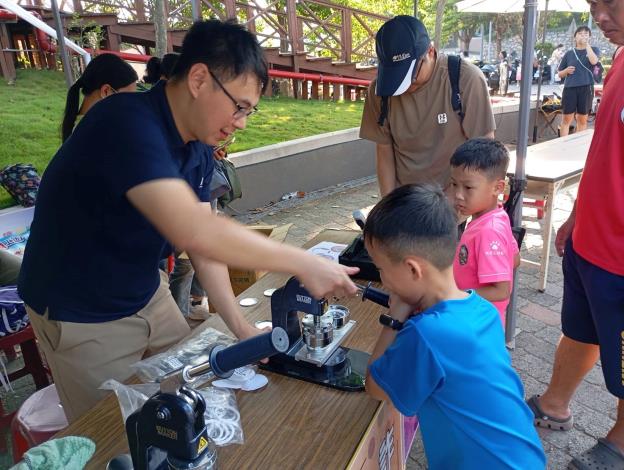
point(487, 251)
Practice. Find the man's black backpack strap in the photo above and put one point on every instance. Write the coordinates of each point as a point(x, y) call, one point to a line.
point(454, 69)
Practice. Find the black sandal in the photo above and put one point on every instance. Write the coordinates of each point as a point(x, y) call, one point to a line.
point(545, 421)
point(604, 455)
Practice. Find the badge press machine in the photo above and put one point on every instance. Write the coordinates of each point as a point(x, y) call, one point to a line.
point(169, 431)
point(315, 353)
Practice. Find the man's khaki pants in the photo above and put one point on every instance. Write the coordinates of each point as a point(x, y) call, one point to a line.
point(83, 355)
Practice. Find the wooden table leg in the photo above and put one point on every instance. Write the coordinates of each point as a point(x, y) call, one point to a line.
point(547, 234)
point(34, 364)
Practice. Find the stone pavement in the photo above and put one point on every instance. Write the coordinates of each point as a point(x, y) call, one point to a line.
point(538, 326)
point(538, 322)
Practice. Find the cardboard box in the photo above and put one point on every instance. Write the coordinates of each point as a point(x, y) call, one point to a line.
point(243, 278)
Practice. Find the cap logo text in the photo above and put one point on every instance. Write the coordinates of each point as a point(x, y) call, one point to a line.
point(400, 57)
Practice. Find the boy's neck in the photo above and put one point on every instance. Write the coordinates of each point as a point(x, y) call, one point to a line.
point(487, 210)
point(441, 287)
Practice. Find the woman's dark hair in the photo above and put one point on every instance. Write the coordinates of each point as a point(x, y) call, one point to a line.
point(157, 68)
point(504, 54)
point(226, 47)
point(582, 28)
point(105, 69)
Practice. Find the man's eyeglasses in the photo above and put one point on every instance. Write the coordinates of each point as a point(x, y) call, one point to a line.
point(241, 111)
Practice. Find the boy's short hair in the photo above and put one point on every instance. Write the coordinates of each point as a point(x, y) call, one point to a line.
point(485, 155)
point(582, 28)
point(415, 220)
point(226, 47)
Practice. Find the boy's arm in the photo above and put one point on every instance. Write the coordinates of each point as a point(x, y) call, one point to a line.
point(386, 338)
point(496, 291)
point(400, 311)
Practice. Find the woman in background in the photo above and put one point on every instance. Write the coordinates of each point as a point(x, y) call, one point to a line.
point(105, 75)
point(160, 69)
point(575, 70)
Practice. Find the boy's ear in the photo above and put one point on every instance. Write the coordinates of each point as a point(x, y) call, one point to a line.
point(415, 267)
point(499, 186)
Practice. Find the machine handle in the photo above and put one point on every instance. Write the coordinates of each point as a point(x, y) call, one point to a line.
point(375, 295)
point(223, 360)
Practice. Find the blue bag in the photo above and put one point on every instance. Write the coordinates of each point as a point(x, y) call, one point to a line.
point(13, 316)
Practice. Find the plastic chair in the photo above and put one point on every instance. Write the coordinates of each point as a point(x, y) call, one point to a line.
point(33, 365)
point(38, 419)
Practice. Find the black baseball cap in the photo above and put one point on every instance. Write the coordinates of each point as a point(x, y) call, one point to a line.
point(400, 44)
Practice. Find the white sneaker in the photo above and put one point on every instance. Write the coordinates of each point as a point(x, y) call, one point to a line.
point(199, 312)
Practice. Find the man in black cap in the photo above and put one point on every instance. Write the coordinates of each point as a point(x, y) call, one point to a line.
point(409, 109)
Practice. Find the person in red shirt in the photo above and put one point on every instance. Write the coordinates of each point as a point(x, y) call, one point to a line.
point(591, 242)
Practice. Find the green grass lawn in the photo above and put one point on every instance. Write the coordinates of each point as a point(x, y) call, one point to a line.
point(32, 109)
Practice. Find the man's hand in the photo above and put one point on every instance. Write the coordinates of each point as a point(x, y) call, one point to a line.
point(248, 331)
point(323, 278)
point(564, 232)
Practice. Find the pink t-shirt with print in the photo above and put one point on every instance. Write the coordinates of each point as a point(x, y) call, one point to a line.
point(485, 254)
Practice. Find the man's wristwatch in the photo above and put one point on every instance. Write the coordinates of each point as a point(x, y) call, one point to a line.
point(387, 320)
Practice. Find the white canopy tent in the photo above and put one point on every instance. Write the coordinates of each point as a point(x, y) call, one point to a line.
point(517, 6)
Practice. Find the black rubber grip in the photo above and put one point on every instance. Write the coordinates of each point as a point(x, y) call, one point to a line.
point(376, 295)
point(223, 361)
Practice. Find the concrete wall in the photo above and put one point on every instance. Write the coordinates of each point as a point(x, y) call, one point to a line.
point(324, 160)
point(304, 164)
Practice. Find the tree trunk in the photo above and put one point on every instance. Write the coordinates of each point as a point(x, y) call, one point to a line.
point(283, 22)
point(465, 36)
point(160, 26)
point(438, 23)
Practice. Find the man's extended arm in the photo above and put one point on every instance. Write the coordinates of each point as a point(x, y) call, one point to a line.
point(174, 210)
point(386, 169)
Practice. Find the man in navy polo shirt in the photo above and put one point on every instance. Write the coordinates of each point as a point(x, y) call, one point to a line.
point(115, 194)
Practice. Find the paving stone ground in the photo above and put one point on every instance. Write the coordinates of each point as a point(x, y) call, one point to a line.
point(538, 320)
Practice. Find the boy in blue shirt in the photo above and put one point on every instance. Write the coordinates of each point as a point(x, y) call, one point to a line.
point(441, 353)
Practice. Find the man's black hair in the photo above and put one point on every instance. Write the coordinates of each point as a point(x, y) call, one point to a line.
point(414, 220)
point(226, 47)
point(582, 28)
point(485, 155)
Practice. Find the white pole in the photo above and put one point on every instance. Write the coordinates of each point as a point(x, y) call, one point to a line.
point(490, 43)
point(58, 22)
point(519, 178)
point(482, 37)
point(37, 23)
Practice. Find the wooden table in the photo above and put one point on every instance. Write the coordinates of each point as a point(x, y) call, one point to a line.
point(290, 423)
point(550, 167)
